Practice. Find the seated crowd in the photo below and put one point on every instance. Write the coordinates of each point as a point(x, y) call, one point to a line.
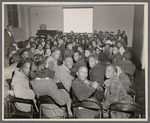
point(97, 66)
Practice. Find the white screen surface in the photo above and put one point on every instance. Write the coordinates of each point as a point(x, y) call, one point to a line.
point(79, 20)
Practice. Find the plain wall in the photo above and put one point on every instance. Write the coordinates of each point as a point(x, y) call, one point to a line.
point(51, 16)
point(138, 35)
point(112, 18)
point(105, 18)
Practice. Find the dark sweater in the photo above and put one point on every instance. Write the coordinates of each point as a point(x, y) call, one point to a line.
point(97, 73)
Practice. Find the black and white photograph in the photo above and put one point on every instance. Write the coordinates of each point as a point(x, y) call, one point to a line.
point(74, 61)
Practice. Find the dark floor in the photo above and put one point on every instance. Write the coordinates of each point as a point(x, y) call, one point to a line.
point(139, 82)
point(140, 89)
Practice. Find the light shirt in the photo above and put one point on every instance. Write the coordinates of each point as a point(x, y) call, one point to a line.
point(9, 33)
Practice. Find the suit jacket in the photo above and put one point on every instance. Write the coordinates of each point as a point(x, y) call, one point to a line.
point(127, 66)
point(116, 58)
point(125, 80)
point(82, 92)
point(97, 73)
point(62, 49)
point(76, 66)
point(7, 38)
point(7, 41)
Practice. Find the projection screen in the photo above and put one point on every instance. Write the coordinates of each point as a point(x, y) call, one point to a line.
point(79, 20)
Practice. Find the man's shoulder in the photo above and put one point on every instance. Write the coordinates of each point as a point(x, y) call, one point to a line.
point(98, 66)
point(118, 54)
point(76, 81)
point(123, 76)
point(126, 62)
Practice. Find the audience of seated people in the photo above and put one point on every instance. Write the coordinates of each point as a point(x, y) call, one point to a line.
point(82, 64)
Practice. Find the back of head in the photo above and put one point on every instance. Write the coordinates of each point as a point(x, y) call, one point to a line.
point(88, 49)
point(24, 61)
point(68, 43)
point(37, 70)
point(127, 55)
point(94, 56)
point(16, 57)
point(25, 43)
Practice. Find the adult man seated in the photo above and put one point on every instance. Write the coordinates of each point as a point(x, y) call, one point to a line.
point(62, 75)
point(84, 89)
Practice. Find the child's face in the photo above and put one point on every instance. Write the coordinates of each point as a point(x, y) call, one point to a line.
point(99, 43)
point(57, 54)
point(82, 73)
point(26, 68)
point(68, 62)
point(83, 41)
point(95, 31)
point(60, 42)
point(87, 53)
point(76, 56)
point(70, 46)
point(97, 51)
point(119, 44)
point(119, 38)
point(40, 47)
point(115, 50)
point(87, 41)
point(92, 62)
point(74, 43)
point(55, 42)
point(94, 43)
point(48, 52)
point(34, 45)
point(32, 40)
point(113, 42)
point(80, 49)
point(43, 43)
point(28, 46)
point(32, 50)
point(77, 40)
point(36, 41)
point(25, 54)
point(109, 73)
point(12, 52)
point(47, 46)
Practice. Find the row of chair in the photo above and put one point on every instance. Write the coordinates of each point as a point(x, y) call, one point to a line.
point(12, 112)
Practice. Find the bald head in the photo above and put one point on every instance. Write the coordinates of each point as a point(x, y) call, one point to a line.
point(111, 71)
point(82, 72)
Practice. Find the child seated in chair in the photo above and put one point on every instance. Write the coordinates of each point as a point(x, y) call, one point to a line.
point(9, 72)
point(116, 55)
point(39, 49)
point(51, 62)
point(20, 85)
point(126, 64)
point(44, 86)
point(47, 53)
point(114, 92)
